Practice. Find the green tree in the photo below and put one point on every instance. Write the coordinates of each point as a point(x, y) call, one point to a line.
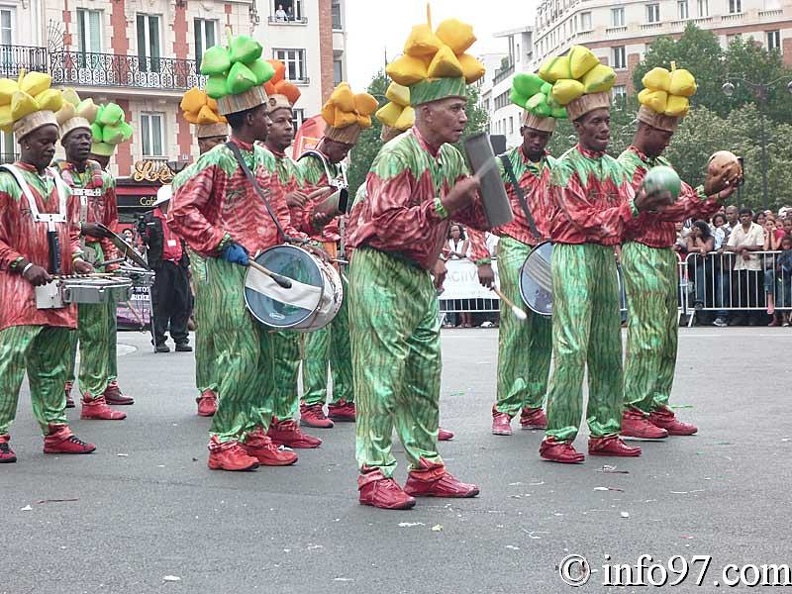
point(369, 143)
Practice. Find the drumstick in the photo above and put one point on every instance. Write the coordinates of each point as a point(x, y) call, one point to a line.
point(281, 280)
point(319, 192)
point(518, 312)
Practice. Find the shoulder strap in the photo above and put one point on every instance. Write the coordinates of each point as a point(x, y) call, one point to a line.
point(323, 160)
point(264, 195)
point(520, 194)
point(59, 217)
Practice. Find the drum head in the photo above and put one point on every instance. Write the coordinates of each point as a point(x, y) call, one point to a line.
point(536, 280)
point(273, 306)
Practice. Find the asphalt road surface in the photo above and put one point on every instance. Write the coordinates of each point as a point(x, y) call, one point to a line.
point(144, 514)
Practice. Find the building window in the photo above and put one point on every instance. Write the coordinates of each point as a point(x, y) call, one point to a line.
point(619, 57)
point(617, 17)
point(338, 72)
point(335, 13)
point(152, 131)
point(502, 100)
point(284, 11)
point(732, 38)
point(89, 31)
point(205, 37)
point(620, 92)
point(8, 148)
point(735, 6)
point(511, 125)
point(652, 13)
point(774, 40)
point(295, 63)
point(298, 117)
point(682, 10)
point(585, 21)
point(703, 8)
point(149, 42)
point(7, 21)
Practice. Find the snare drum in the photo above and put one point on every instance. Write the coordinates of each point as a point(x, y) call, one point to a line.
point(313, 299)
point(82, 289)
point(139, 277)
point(536, 280)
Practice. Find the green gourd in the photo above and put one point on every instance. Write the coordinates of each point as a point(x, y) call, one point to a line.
point(216, 86)
point(663, 178)
point(262, 70)
point(244, 49)
point(216, 60)
point(240, 79)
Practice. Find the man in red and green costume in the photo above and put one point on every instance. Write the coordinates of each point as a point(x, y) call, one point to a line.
point(284, 429)
point(96, 328)
point(651, 278)
point(330, 346)
point(524, 346)
point(211, 130)
point(594, 201)
point(417, 184)
point(35, 205)
point(220, 215)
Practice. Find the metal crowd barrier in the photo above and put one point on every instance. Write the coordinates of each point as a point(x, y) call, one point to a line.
point(708, 283)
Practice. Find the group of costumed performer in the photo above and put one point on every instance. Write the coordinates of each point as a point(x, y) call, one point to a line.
point(86, 128)
point(221, 216)
point(524, 346)
point(345, 114)
point(417, 184)
point(211, 129)
point(39, 238)
point(649, 262)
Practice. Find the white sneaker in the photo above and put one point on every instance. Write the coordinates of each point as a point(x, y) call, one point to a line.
point(720, 323)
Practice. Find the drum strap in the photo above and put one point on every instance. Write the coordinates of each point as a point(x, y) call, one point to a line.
point(260, 191)
point(520, 194)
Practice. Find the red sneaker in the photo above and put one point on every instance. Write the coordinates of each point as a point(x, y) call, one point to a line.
point(612, 445)
point(207, 403)
point(312, 415)
point(636, 424)
point(444, 434)
point(342, 411)
point(69, 399)
point(289, 434)
point(433, 480)
point(501, 422)
point(114, 396)
point(260, 447)
point(61, 440)
point(379, 491)
point(664, 417)
point(562, 452)
point(98, 410)
point(533, 418)
point(229, 456)
point(7, 455)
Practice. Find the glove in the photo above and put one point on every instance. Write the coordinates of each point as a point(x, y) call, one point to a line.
point(236, 254)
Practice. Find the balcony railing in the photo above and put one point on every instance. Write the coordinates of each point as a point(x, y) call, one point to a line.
point(771, 12)
point(75, 68)
point(502, 74)
point(273, 20)
point(13, 58)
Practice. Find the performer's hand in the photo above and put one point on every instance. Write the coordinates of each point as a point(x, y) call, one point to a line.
point(462, 194)
point(82, 267)
point(718, 184)
point(37, 276)
point(656, 201)
point(93, 230)
point(439, 272)
point(486, 275)
point(236, 254)
point(319, 252)
point(296, 199)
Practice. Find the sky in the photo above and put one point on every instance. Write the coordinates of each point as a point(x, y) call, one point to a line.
point(376, 26)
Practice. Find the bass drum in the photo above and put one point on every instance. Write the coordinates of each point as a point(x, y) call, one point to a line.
point(536, 281)
point(311, 303)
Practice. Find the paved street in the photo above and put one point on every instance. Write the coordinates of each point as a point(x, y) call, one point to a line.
point(146, 506)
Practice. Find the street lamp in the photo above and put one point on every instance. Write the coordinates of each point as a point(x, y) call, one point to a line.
point(761, 91)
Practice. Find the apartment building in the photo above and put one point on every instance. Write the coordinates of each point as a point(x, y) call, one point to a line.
point(143, 54)
point(619, 32)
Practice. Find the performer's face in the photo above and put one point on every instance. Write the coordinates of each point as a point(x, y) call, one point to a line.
point(207, 144)
point(281, 131)
point(593, 129)
point(446, 119)
point(259, 122)
point(534, 142)
point(38, 147)
point(656, 141)
point(77, 145)
point(335, 151)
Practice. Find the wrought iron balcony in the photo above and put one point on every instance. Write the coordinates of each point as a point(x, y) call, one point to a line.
point(14, 58)
point(74, 68)
point(503, 73)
